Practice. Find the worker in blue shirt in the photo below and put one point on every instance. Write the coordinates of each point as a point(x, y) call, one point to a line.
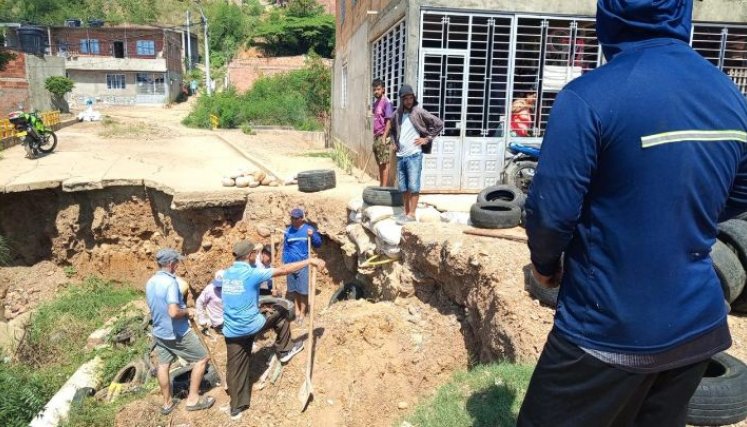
point(641, 159)
point(295, 248)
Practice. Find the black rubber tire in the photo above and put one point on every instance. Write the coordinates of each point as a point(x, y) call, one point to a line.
point(316, 180)
point(520, 174)
point(742, 216)
point(721, 396)
point(180, 379)
point(729, 270)
point(734, 233)
point(48, 148)
point(132, 373)
point(266, 300)
point(546, 296)
point(506, 193)
point(346, 292)
point(382, 196)
point(495, 215)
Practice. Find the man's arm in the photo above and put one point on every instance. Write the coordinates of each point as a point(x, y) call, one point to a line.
point(287, 269)
point(202, 301)
point(737, 201)
point(388, 116)
point(316, 238)
point(172, 299)
point(433, 124)
point(567, 163)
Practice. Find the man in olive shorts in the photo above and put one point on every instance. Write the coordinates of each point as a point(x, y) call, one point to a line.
point(382, 124)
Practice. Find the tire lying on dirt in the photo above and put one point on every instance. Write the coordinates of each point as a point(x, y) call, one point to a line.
point(346, 292)
point(316, 180)
point(734, 234)
point(133, 373)
point(547, 296)
point(506, 193)
point(721, 396)
point(520, 174)
point(494, 215)
point(729, 270)
point(180, 378)
point(268, 301)
point(382, 196)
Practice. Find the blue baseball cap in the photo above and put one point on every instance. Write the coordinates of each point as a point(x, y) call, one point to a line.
point(167, 255)
point(297, 213)
point(218, 280)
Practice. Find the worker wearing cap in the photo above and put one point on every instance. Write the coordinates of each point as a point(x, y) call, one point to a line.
point(209, 304)
point(295, 249)
point(172, 334)
point(243, 321)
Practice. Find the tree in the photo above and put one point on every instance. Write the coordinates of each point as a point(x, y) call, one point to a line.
point(304, 8)
point(59, 86)
point(5, 55)
point(281, 34)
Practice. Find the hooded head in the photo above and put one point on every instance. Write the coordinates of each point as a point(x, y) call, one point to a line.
point(623, 21)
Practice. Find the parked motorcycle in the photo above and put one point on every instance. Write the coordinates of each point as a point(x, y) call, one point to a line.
point(520, 168)
point(36, 137)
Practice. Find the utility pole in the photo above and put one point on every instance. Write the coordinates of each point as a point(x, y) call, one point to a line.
point(208, 81)
point(189, 43)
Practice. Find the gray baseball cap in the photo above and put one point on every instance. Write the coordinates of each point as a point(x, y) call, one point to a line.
point(166, 256)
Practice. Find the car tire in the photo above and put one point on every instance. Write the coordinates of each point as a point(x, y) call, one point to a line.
point(346, 292)
point(316, 180)
point(506, 193)
point(382, 196)
point(547, 296)
point(734, 234)
point(267, 300)
point(721, 396)
point(180, 378)
point(520, 174)
point(729, 270)
point(495, 215)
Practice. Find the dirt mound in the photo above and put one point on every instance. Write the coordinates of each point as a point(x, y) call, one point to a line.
point(22, 288)
point(371, 361)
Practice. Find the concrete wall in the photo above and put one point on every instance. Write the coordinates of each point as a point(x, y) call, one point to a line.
point(92, 84)
point(38, 69)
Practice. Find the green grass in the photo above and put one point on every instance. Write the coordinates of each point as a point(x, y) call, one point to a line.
point(93, 413)
point(488, 395)
point(54, 347)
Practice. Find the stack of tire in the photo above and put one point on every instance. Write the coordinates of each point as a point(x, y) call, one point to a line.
point(498, 206)
point(730, 261)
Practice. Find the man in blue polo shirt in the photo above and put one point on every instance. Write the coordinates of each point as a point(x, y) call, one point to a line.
point(172, 333)
point(243, 321)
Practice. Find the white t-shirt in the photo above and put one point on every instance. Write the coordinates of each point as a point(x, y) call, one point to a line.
point(409, 134)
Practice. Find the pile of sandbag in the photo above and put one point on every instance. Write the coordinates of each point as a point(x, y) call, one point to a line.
point(249, 178)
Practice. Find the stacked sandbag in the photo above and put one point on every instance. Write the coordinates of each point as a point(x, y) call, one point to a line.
point(460, 218)
point(355, 211)
point(374, 214)
point(249, 178)
point(363, 239)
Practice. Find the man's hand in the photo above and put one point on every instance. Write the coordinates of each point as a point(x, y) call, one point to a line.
point(275, 293)
point(421, 141)
point(190, 313)
point(548, 282)
point(318, 263)
point(310, 232)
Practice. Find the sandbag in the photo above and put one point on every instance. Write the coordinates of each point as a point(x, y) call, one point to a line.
point(243, 181)
point(427, 214)
point(374, 214)
point(388, 231)
point(461, 218)
point(390, 251)
point(355, 217)
point(355, 205)
point(361, 238)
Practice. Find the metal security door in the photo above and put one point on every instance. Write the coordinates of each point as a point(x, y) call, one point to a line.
point(443, 92)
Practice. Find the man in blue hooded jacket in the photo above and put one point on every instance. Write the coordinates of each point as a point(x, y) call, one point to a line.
point(640, 160)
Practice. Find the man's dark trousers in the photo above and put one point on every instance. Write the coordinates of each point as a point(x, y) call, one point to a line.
point(572, 388)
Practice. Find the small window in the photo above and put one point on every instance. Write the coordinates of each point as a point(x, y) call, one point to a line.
point(90, 46)
point(146, 48)
point(115, 81)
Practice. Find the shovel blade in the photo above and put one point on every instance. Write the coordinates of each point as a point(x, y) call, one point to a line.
point(304, 393)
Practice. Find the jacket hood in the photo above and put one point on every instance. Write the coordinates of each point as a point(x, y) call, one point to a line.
point(621, 22)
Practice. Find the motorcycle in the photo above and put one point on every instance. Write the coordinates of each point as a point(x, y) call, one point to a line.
point(36, 137)
point(520, 168)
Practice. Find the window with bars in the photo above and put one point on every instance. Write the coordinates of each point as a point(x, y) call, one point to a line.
point(146, 47)
point(115, 81)
point(150, 84)
point(388, 59)
point(89, 46)
point(725, 46)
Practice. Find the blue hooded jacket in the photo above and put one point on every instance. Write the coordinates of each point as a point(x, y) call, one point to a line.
point(640, 158)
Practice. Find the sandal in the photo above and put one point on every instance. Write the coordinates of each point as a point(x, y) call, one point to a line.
point(170, 408)
point(203, 403)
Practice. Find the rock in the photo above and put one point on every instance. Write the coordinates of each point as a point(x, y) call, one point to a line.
point(264, 231)
point(403, 405)
point(228, 181)
point(243, 181)
point(207, 245)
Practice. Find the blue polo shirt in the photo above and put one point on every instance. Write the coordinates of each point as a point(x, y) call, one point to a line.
point(241, 316)
point(161, 290)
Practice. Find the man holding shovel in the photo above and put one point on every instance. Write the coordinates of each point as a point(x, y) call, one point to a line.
point(296, 248)
point(243, 321)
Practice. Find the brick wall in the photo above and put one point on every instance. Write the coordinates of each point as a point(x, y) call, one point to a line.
point(107, 36)
point(244, 72)
point(14, 87)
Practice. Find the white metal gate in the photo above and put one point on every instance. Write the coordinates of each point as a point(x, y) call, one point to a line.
point(442, 91)
point(388, 60)
point(725, 46)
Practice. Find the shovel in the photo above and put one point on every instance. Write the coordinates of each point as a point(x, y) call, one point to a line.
point(304, 393)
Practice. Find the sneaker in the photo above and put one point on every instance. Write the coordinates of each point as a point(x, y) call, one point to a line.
point(401, 219)
point(285, 356)
point(237, 413)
